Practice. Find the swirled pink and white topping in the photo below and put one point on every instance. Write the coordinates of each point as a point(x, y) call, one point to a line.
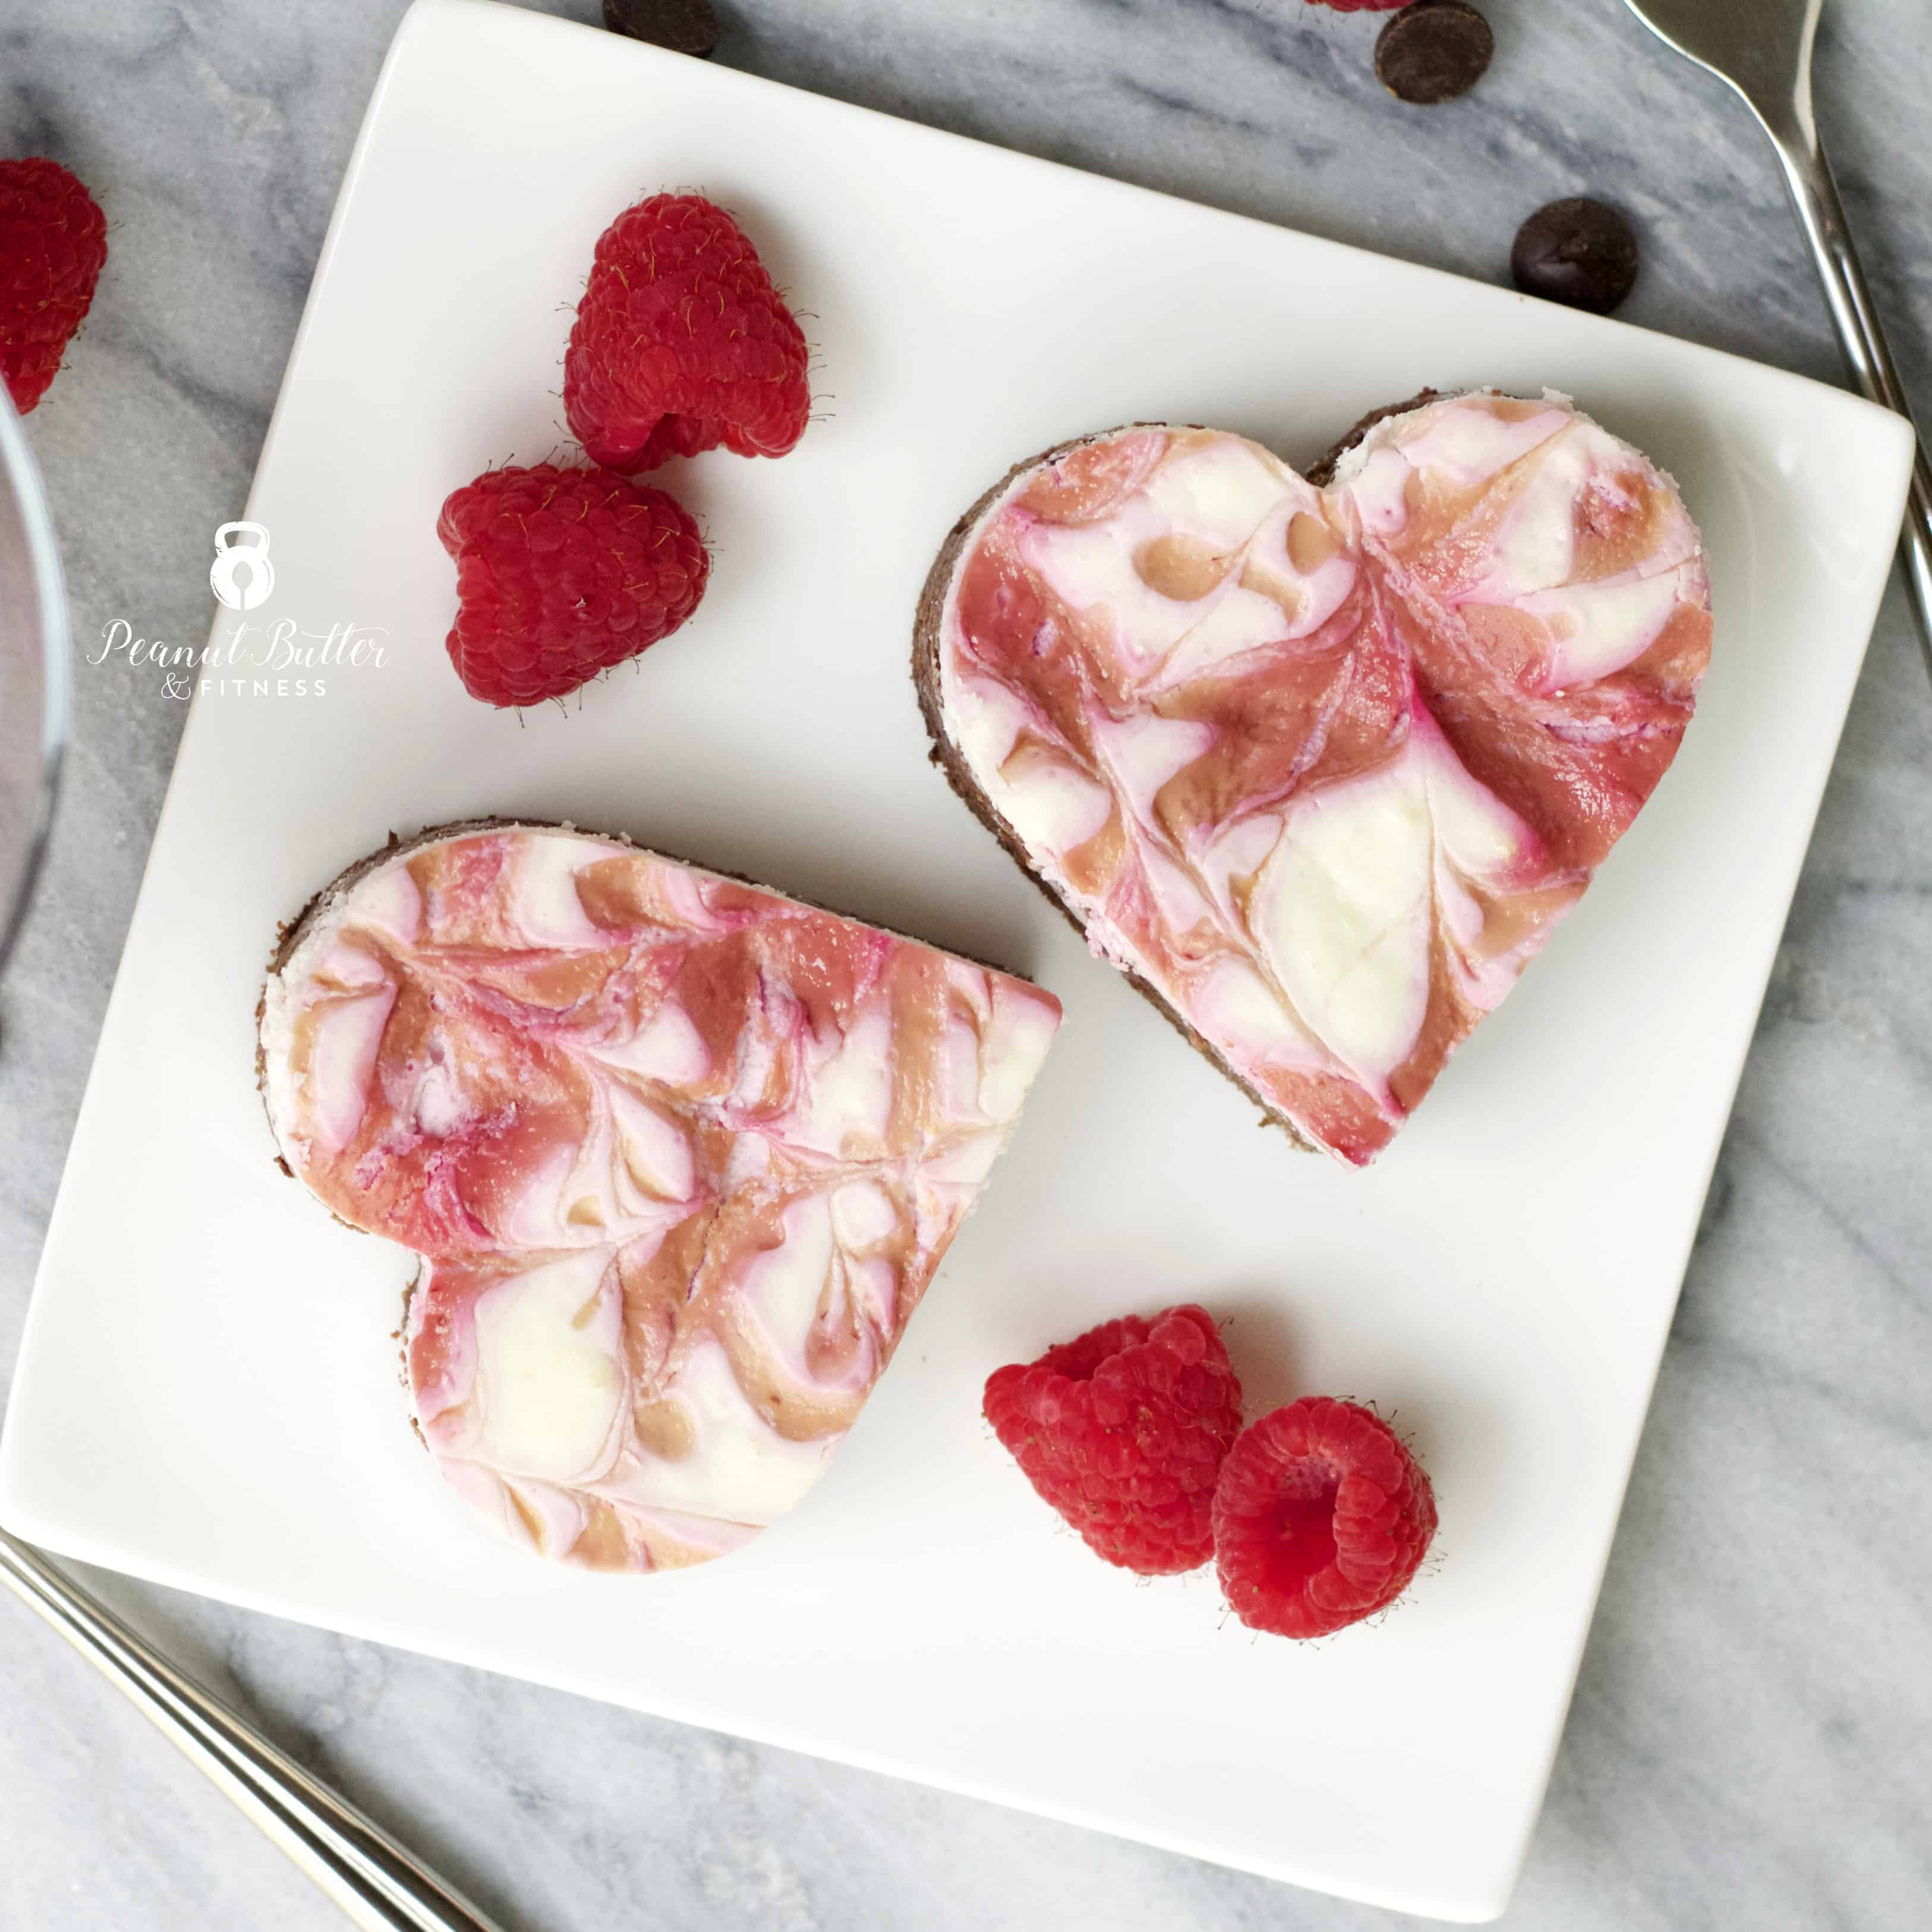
point(680, 1155)
point(1324, 767)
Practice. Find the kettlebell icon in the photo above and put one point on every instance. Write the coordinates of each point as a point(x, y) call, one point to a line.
point(241, 575)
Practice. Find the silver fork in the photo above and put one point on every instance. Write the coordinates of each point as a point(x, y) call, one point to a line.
point(1762, 49)
point(380, 1885)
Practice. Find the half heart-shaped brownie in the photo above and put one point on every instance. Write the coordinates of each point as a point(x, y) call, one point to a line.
point(679, 1155)
point(1319, 768)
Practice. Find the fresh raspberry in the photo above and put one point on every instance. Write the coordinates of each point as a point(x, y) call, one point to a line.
point(53, 239)
point(681, 342)
point(1321, 1516)
point(1122, 1431)
point(561, 574)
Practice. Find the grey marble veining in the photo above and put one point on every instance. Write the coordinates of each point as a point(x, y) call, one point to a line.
point(1749, 1747)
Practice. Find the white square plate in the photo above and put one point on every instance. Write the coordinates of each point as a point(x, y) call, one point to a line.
point(207, 1396)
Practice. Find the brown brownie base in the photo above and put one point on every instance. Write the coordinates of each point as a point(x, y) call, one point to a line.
point(1322, 473)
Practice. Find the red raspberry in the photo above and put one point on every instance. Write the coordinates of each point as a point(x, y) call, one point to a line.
point(1122, 1431)
point(681, 342)
point(1321, 1516)
point(561, 574)
point(53, 239)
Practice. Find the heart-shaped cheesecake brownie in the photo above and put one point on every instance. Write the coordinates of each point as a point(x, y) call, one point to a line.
point(679, 1155)
point(1320, 768)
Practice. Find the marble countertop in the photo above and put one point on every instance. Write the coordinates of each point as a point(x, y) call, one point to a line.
point(1751, 1742)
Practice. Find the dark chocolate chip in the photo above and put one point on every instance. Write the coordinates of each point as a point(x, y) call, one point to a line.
point(685, 26)
point(1578, 252)
point(1433, 50)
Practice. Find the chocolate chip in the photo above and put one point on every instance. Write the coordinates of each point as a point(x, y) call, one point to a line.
point(685, 26)
point(1433, 50)
point(1578, 252)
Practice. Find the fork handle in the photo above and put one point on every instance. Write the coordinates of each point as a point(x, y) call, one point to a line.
point(381, 1886)
point(1815, 197)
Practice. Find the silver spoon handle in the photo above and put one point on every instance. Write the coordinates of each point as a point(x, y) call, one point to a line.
point(1815, 197)
point(378, 1884)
